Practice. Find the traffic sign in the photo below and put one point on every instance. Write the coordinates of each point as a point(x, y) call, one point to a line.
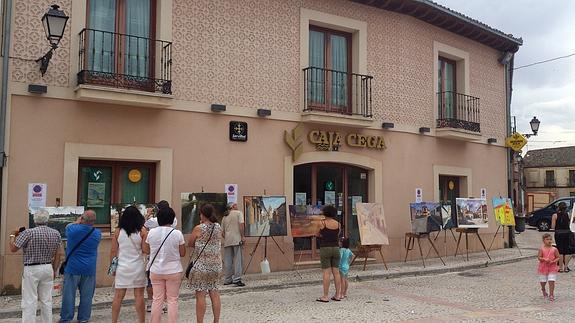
point(516, 141)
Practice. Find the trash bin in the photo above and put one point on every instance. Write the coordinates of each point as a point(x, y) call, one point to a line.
point(519, 223)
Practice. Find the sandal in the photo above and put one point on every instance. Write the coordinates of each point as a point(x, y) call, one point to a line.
point(321, 300)
point(560, 270)
point(567, 269)
point(333, 298)
point(551, 298)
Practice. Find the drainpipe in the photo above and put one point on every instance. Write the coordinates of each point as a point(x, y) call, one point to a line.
point(3, 102)
point(510, 153)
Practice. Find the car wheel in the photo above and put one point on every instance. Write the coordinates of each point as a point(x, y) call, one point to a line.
point(543, 225)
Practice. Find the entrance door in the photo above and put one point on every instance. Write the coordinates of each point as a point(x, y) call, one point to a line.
point(449, 190)
point(328, 183)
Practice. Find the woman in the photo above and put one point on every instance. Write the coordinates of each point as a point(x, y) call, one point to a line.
point(131, 270)
point(206, 242)
point(560, 222)
point(166, 246)
point(329, 253)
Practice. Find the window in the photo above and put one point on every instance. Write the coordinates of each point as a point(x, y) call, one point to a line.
point(102, 184)
point(329, 71)
point(549, 178)
point(572, 178)
point(447, 87)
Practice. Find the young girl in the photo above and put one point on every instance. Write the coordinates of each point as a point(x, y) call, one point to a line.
point(344, 260)
point(548, 256)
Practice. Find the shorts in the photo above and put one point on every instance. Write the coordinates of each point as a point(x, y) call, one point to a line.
point(548, 278)
point(329, 257)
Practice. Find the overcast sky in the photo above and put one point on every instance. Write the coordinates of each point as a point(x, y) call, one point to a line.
point(546, 90)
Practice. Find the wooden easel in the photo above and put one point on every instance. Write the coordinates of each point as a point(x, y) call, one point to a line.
point(410, 238)
point(467, 231)
point(363, 251)
point(444, 241)
point(503, 236)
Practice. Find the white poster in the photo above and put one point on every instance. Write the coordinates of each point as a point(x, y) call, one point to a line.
point(484, 193)
point(300, 198)
point(354, 200)
point(418, 195)
point(329, 197)
point(231, 193)
point(37, 195)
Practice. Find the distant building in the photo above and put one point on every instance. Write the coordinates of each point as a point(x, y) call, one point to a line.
point(551, 170)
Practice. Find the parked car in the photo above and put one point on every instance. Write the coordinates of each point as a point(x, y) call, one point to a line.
point(541, 219)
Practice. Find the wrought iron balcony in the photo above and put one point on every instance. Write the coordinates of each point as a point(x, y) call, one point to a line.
point(125, 61)
point(456, 110)
point(337, 92)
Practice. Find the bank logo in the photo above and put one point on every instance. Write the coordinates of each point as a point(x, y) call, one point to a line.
point(294, 142)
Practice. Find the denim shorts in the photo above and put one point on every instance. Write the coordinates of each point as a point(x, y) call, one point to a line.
point(329, 257)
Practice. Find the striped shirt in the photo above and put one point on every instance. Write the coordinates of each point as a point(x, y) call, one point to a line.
point(39, 244)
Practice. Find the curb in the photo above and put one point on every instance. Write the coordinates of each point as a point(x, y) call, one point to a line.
point(359, 277)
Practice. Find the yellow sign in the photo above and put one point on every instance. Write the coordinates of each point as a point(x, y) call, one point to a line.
point(516, 141)
point(134, 175)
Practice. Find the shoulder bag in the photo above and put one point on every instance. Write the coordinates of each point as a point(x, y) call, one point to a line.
point(152, 262)
point(192, 263)
point(63, 265)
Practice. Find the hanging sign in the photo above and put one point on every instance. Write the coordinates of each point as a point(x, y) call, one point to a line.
point(231, 193)
point(516, 141)
point(37, 194)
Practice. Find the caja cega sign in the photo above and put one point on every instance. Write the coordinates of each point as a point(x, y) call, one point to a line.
point(332, 140)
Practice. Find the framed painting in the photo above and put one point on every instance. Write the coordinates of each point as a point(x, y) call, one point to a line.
point(372, 227)
point(265, 216)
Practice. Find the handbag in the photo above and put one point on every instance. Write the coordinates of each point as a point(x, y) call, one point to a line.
point(113, 266)
point(152, 262)
point(192, 263)
point(63, 265)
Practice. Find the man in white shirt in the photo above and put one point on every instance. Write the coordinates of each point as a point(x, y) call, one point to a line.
point(233, 232)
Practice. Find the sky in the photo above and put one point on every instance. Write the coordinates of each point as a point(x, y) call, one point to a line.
point(546, 91)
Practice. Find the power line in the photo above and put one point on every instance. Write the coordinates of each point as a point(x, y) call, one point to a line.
point(545, 61)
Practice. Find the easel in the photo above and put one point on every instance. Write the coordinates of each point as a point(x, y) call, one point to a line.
point(467, 231)
point(410, 238)
point(502, 227)
point(364, 252)
point(444, 241)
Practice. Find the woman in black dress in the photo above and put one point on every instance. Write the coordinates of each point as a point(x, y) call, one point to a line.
point(561, 223)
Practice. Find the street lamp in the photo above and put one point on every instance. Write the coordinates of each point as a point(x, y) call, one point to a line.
point(534, 126)
point(54, 22)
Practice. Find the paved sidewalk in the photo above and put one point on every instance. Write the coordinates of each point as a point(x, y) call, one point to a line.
point(10, 305)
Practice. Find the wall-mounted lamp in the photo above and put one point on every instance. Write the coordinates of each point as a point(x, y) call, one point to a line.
point(424, 130)
point(387, 125)
point(218, 107)
point(54, 22)
point(264, 112)
point(491, 140)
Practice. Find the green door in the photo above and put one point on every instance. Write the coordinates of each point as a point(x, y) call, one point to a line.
point(96, 191)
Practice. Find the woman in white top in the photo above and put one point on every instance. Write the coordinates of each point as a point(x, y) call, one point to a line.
point(165, 245)
point(131, 270)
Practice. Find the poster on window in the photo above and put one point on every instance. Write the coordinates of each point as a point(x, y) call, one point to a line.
point(354, 200)
point(300, 198)
point(329, 197)
point(59, 217)
point(37, 194)
point(96, 195)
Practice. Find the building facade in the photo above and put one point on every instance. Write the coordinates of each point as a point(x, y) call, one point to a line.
point(373, 101)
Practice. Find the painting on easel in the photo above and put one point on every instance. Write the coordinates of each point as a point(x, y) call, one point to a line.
point(425, 217)
point(191, 203)
point(472, 213)
point(305, 220)
point(503, 211)
point(372, 227)
point(265, 216)
point(448, 218)
point(116, 210)
point(572, 219)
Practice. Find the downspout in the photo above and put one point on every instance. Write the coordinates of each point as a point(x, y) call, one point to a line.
point(510, 153)
point(3, 106)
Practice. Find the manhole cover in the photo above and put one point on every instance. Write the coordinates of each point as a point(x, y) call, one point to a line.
point(470, 274)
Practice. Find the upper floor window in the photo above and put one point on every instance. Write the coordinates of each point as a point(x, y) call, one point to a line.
point(549, 178)
point(571, 177)
point(447, 86)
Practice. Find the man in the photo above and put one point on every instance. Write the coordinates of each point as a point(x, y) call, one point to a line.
point(80, 271)
point(40, 247)
point(233, 232)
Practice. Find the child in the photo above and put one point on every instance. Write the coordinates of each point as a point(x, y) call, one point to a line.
point(344, 260)
point(548, 257)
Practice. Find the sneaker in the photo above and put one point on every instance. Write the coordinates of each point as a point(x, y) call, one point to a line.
point(239, 284)
point(149, 308)
point(228, 283)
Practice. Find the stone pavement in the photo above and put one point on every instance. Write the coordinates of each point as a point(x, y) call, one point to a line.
point(10, 305)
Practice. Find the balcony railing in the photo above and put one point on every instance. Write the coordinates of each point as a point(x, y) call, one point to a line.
point(337, 92)
point(125, 61)
point(456, 110)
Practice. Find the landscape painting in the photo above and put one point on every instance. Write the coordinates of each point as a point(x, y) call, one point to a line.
point(472, 213)
point(305, 220)
point(191, 204)
point(503, 210)
point(60, 217)
point(265, 216)
point(116, 211)
point(372, 227)
point(425, 217)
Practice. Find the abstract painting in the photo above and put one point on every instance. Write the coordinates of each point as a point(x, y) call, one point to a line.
point(305, 220)
point(371, 220)
point(59, 218)
point(265, 216)
point(425, 217)
point(191, 204)
point(503, 210)
point(472, 213)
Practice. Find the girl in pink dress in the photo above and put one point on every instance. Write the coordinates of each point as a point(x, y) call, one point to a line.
point(548, 257)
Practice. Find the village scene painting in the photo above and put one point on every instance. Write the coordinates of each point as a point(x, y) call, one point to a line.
point(265, 216)
point(59, 217)
point(116, 210)
point(472, 213)
point(425, 217)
